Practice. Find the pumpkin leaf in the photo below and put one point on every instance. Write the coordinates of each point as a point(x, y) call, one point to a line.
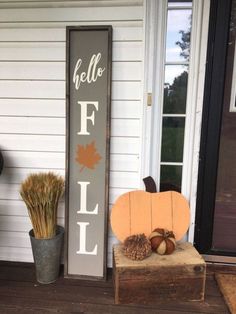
point(87, 156)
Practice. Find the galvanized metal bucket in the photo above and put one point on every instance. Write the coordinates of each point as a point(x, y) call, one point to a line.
point(47, 256)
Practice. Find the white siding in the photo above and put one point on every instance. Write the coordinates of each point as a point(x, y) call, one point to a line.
point(32, 101)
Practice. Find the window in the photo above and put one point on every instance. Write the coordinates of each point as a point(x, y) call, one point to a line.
point(175, 59)
point(176, 68)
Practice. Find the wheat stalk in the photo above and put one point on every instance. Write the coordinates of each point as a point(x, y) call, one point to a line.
point(41, 193)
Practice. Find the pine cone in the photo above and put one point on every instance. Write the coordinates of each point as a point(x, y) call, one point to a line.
point(137, 247)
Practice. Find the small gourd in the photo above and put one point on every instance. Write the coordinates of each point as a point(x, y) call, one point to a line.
point(137, 247)
point(162, 241)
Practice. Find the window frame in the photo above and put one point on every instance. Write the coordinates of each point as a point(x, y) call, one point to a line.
point(154, 66)
point(171, 7)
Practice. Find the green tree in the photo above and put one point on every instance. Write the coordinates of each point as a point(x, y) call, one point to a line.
point(175, 94)
point(173, 135)
point(184, 44)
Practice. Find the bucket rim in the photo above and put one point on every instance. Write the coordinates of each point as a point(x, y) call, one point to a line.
point(59, 231)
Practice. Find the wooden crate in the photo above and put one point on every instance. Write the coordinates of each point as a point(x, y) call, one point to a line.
point(179, 276)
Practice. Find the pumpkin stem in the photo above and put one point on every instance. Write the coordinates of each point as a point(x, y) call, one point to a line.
point(166, 233)
point(150, 185)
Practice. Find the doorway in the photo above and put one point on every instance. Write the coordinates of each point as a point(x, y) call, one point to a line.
point(215, 231)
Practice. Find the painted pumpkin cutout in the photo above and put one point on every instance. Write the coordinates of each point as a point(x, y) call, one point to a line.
point(140, 212)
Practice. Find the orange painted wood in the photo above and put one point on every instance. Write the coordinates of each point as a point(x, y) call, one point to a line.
point(141, 212)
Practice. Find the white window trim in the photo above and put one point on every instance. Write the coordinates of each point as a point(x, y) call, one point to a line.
point(155, 33)
point(155, 26)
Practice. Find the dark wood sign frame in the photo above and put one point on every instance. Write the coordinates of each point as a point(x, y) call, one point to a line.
point(96, 30)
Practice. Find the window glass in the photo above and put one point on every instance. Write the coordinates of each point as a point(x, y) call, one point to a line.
point(178, 35)
point(172, 139)
point(175, 89)
point(171, 177)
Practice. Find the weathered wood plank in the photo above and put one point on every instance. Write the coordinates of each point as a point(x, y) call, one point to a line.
point(212, 287)
point(100, 302)
point(94, 295)
point(179, 276)
point(18, 290)
point(36, 306)
point(213, 268)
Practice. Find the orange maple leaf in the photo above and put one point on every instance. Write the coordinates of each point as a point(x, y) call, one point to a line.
point(87, 155)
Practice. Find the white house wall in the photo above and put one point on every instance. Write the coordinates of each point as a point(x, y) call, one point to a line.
point(32, 101)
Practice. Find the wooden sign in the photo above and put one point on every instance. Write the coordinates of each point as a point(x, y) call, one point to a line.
point(88, 127)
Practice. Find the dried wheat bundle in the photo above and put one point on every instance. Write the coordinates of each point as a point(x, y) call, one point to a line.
point(41, 193)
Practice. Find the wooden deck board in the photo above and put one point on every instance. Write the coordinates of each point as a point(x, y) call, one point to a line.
point(20, 293)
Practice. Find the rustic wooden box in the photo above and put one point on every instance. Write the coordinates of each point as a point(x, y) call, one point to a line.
point(179, 276)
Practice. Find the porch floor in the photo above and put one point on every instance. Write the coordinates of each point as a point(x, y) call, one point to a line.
point(20, 293)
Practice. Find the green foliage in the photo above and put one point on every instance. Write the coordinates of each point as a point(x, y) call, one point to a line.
point(41, 193)
point(175, 94)
point(172, 139)
point(184, 44)
point(173, 128)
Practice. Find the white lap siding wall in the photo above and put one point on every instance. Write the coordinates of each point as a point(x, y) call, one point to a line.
point(32, 102)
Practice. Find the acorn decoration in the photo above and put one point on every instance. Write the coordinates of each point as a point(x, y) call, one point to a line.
point(162, 241)
point(137, 247)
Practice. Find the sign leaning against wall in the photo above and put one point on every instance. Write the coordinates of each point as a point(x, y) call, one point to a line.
point(88, 93)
